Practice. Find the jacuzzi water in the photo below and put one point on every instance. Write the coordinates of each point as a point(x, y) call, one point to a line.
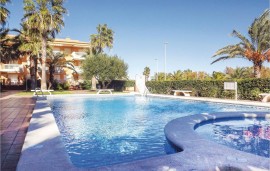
point(248, 135)
point(101, 131)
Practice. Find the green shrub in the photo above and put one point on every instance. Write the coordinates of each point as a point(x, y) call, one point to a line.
point(246, 86)
point(65, 86)
point(248, 89)
point(228, 94)
point(86, 85)
point(120, 85)
point(60, 86)
point(129, 83)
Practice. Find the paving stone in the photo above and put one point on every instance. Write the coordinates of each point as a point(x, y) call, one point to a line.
point(16, 113)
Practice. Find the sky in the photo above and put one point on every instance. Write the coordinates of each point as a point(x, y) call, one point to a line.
point(194, 30)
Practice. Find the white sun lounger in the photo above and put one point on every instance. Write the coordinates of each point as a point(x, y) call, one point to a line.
point(265, 97)
point(181, 92)
point(42, 91)
point(104, 90)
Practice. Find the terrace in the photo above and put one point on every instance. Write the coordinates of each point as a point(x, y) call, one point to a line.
point(11, 68)
point(78, 55)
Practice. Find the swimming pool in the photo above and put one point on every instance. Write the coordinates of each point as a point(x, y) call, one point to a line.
point(99, 131)
point(250, 135)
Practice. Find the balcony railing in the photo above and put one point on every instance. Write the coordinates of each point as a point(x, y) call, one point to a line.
point(11, 68)
point(39, 67)
point(78, 55)
point(58, 70)
point(57, 51)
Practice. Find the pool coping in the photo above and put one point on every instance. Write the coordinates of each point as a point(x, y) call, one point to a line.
point(43, 148)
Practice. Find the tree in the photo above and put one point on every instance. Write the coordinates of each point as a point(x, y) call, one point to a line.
point(103, 39)
point(46, 18)
point(176, 75)
point(30, 46)
point(146, 73)
point(105, 68)
point(201, 75)
point(265, 72)
point(4, 12)
point(161, 76)
point(239, 73)
point(8, 45)
point(256, 49)
point(189, 75)
point(57, 61)
point(218, 75)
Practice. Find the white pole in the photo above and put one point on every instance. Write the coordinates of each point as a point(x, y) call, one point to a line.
point(165, 56)
point(235, 86)
point(156, 69)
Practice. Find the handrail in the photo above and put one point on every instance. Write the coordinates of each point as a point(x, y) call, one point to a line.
point(39, 90)
point(146, 91)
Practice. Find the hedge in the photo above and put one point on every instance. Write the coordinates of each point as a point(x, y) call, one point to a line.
point(248, 89)
point(120, 85)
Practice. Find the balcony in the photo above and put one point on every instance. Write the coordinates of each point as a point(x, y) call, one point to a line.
point(57, 51)
point(58, 70)
point(11, 68)
point(78, 55)
point(39, 67)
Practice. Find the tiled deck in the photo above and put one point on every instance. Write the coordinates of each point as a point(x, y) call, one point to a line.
point(16, 112)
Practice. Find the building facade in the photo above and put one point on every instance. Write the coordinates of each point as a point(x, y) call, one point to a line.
point(17, 72)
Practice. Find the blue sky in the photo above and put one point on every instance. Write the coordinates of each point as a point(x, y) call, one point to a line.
point(194, 29)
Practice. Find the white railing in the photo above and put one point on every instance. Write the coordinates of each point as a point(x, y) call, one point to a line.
point(11, 68)
point(39, 66)
point(78, 55)
point(57, 51)
point(58, 69)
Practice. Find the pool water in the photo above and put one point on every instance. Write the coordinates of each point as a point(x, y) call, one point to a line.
point(101, 131)
point(248, 135)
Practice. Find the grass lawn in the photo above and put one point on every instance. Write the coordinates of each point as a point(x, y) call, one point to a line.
point(30, 93)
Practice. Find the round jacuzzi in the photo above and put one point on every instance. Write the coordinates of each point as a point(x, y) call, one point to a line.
point(250, 135)
point(238, 139)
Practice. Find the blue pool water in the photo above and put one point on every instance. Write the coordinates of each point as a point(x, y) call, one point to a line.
point(99, 131)
point(249, 135)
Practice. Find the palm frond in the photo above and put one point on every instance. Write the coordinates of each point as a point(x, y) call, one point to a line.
point(220, 59)
point(244, 40)
point(228, 49)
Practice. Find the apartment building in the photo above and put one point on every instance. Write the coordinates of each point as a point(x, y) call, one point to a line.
point(16, 72)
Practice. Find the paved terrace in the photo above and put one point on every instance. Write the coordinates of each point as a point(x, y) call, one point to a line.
point(16, 112)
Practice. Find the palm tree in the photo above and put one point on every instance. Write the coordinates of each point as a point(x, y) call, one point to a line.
point(46, 18)
point(219, 76)
point(57, 61)
point(176, 75)
point(240, 73)
point(103, 39)
point(146, 73)
point(189, 75)
point(30, 46)
point(256, 49)
point(8, 47)
point(4, 12)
